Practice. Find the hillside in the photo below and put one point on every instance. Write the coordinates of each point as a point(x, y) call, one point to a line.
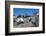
point(28, 21)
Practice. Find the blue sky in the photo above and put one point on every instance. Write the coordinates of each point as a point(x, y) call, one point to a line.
point(23, 11)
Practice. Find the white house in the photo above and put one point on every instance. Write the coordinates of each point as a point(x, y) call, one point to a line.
point(20, 19)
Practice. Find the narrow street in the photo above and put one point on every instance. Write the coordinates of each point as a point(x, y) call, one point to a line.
point(29, 24)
